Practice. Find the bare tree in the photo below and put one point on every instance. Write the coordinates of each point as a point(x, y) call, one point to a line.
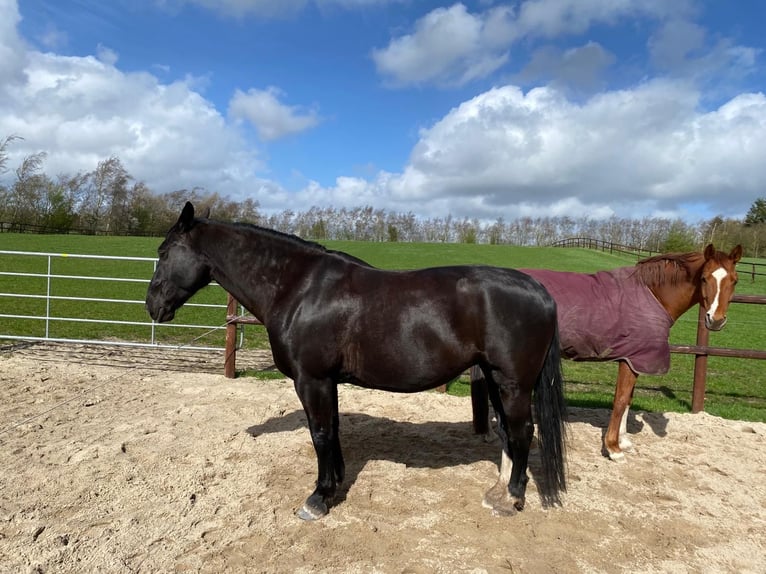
point(27, 196)
point(105, 197)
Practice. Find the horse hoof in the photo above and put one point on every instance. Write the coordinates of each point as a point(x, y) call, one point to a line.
point(495, 495)
point(312, 511)
point(627, 446)
point(617, 456)
point(508, 507)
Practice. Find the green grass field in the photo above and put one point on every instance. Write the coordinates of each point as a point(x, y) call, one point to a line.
point(736, 388)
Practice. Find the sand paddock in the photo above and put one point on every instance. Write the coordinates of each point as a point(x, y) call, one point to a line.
point(130, 469)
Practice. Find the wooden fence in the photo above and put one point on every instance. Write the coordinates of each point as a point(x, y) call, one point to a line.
point(752, 269)
point(701, 349)
point(33, 228)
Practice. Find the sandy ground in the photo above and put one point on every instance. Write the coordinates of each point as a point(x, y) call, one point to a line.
point(133, 469)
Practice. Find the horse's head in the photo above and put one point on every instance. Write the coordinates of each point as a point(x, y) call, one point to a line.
point(181, 270)
point(717, 281)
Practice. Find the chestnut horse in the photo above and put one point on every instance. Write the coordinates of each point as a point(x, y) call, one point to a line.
point(333, 319)
point(625, 315)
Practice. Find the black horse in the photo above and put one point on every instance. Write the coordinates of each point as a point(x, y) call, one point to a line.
point(333, 319)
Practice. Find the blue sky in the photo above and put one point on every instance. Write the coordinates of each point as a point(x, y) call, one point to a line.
point(479, 109)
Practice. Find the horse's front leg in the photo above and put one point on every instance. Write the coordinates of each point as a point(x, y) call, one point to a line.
point(616, 441)
point(320, 402)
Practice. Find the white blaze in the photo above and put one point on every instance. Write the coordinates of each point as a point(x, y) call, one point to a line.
point(718, 274)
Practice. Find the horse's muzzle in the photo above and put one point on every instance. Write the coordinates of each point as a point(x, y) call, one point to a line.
point(162, 315)
point(159, 313)
point(714, 324)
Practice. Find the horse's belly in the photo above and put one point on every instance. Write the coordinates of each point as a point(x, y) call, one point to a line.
point(406, 374)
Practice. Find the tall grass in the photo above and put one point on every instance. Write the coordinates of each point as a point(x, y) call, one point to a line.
point(736, 388)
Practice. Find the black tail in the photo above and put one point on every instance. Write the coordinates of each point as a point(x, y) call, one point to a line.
point(551, 411)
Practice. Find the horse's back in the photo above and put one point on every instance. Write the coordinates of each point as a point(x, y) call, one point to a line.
point(457, 293)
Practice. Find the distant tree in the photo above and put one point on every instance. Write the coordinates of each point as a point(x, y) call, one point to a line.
point(4, 143)
point(467, 230)
point(27, 195)
point(709, 229)
point(757, 212)
point(319, 230)
point(248, 211)
point(149, 213)
point(105, 197)
point(60, 197)
point(407, 226)
point(566, 227)
point(679, 239)
point(496, 231)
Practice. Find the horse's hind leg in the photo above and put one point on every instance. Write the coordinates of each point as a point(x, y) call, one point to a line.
point(616, 441)
point(513, 409)
point(500, 490)
point(339, 466)
point(479, 403)
point(320, 402)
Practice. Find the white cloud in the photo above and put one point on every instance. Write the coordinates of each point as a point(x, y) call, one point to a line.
point(81, 110)
point(448, 46)
point(682, 48)
point(638, 152)
point(12, 49)
point(270, 117)
point(555, 18)
point(453, 46)
point(577, 68)
point(106, 55)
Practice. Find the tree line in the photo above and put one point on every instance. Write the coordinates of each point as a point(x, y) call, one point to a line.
point(108, 200)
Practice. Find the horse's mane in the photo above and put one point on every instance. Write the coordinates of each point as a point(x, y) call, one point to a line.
point(297, 241)
point(667, 268)
point(282, 236)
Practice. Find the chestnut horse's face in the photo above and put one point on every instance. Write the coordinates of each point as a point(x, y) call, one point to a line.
point(718, 279)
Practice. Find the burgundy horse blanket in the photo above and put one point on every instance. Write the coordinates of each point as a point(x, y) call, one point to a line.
point(609, 316)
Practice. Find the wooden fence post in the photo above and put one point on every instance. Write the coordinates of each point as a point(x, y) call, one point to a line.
point(700, 364)
point(230, 357)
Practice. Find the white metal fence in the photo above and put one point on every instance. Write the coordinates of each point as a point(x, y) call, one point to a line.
point(25, 326)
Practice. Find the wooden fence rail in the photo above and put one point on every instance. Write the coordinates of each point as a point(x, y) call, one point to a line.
point(752, 269)
point(701, 349)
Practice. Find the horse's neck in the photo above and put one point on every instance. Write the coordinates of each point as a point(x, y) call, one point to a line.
point(252, 266)
point(677, 298)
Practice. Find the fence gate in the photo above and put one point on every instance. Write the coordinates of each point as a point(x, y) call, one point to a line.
point(59, 297)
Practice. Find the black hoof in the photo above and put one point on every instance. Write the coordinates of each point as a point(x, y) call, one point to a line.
point(313, 509)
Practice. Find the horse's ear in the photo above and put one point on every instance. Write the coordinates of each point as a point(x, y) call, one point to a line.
point(186, 220)
point(709, 251)
point(206, 213)
point(736, 254)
